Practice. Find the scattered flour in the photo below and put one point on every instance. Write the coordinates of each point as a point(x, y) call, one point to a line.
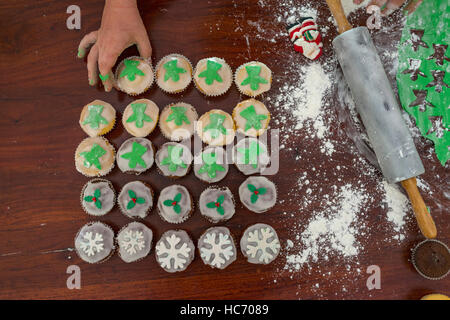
point(398, 207)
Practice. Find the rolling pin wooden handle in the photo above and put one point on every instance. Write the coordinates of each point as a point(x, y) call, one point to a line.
point(339, 15)
point(423, 216)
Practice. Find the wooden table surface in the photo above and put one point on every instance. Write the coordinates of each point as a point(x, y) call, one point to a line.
point(42, 89)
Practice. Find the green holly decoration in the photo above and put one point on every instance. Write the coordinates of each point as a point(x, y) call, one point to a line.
point(139, 115)
point(210, 165)
point(94, 117)
point(131, 70)
point(251, 153)
point(95, 198)
point(217, 205)
point(135, 156)
point(253, 119)
point(174, 203)
point(254, 79)
point(211, 72)
point(134, 199)
point(172, 70)
point(216, 125)
point(178, 115)
point(255, 192)
point(173, 160)
point(92, 157)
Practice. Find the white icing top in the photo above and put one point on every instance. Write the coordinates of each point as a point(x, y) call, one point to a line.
point(173, 131)
point(242, 123)
point(241, 75)
point(210, 207)
point(135, 241)
point(124, 164)
point(94, 242)
point(216, 88)
point(179, 160)
point(175, 251)
point(250, 156)
point(215, 137)
point(216, 247)
point(151, 110)
point(169, 198)
point(106, 160)
point(140, 83)
point(168, 84)
point(107, 197)
point(108, 113)
point(141, 208)
point(254, 197)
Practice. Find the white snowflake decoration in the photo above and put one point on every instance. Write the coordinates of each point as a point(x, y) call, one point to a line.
point(167, 253)
point(92, 244)
point(262, 244)
point(133, 241)
point(219, 252)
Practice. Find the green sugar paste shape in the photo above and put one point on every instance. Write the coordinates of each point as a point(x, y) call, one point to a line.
point(211, 73)
point(173, 71)
point(217, 205)
point(103, 78)
point(253, 79)
point(253, 119)
point(134, 199)
point(252, 153)
point(423, 75)
point(135, 155)
point(210, 165)
point(131, 70)
point(216, 125)
point(173, 160)
point(174, 203)
point(95, 118)
point(95, 198)
point(255, 192)
point(178, 115)
point(139, 115)
point(92, 157)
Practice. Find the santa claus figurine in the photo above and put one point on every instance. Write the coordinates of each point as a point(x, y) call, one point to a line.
point(306, 38)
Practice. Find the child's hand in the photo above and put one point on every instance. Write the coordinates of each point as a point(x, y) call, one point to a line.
point(388, 6)
point(121, 27)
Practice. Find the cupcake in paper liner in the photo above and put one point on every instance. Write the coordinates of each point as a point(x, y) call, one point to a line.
point(175, 204)
point(134, 75)
point(135, 200)
point(217, 204)
point(174, 251)
point(216, 128)
point(140, 117)
point(258, 194)
point(135, 155)
point(213, 76)
point(134, 242)
point(431, 259)
point(177, 121)
point(94, 243)
point(260, 244)
point(217, 248)
point(250, 156)
point(253, 78)
point(173, 160)
point(251, 117)
point(211, 164)
point(97, 118)
point(173, 73)
point(94, 157)
point(98, 197)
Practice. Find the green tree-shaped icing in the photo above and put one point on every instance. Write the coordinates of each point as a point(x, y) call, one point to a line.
point(174, 203)
point(211, 73)
point(135, 155)
point(95, 198)
point(131, 69)
point(172, 70)
point(134, 199)
point(210, 165)
point(216, 125)
point(92, 157)
point(139, 115)
point(253, 79)
point(173, 159)
point(217, 205)
point(94, 117)
point(178, 115)
point(253, 119)
point(255, 192)
point(251, 153)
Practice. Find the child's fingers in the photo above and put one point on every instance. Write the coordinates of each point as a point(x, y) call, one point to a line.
point(357, 1)
point(86, 42)
point(105, 63)
point(144, 47)
point(92, 65)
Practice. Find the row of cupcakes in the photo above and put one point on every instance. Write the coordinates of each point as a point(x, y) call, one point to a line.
point(95, 243)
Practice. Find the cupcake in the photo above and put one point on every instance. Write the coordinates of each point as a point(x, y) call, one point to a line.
point(134, 242)
point(135, 200)
point(173, 159)
point(135, 155)
point(98, 197)
point(97, 118)
point(94, 157)
point(177, 121)
point(211, 165)
point(134, 76)
point(251, 117)
point(216, 204)
point(213, 76)
point(250, 156)
point(94, 243)
point(216, 128)
point(175, 204)
point(175, 251)
point(431, 258)
point(253, 78)
point(258, 194)
point(140, 117)
point(260, 244)
point(216, 247)
point(173, 73)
